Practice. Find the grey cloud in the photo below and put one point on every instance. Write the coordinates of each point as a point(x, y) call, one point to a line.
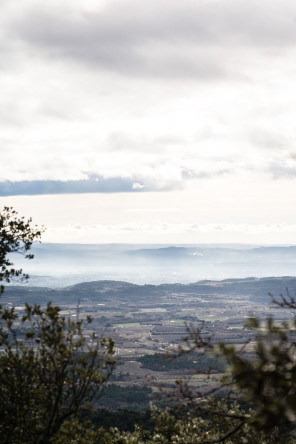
point(280, 170)
point(93, 184)
point(158, 38)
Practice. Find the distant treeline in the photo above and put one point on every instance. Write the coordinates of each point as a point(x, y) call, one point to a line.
point(193, 361)
point(132, 396)
point(126, 419)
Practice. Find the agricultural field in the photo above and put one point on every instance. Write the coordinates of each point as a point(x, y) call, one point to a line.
point(146, 321)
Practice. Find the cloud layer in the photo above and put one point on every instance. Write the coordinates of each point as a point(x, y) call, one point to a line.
point(167, 38)
point(93, 184)
point(160, 97)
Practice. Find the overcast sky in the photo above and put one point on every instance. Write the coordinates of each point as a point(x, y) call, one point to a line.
point(164, 121)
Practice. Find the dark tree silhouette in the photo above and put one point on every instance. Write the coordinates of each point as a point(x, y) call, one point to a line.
point(16, 236)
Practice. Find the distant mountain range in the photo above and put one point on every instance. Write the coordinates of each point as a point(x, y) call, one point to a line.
point(67, 264)
point(107, 291)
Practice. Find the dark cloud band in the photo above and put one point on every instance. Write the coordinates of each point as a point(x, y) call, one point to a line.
point(94, 184)
point(157, 40)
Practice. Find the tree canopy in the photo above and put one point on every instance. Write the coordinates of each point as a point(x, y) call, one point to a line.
point(16, 236)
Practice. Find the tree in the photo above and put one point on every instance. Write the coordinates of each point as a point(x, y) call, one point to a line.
point(267, 381)
point(48, 371)
point(16, 236)
point(192, 429)
point(49, 368)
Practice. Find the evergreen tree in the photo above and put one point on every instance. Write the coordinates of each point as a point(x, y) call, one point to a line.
point(48, 368)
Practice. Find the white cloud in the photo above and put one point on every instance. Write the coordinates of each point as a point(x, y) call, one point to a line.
point(137, 186)
point(169, 232)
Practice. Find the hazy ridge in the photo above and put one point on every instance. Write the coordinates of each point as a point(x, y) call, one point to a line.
point(58, 265)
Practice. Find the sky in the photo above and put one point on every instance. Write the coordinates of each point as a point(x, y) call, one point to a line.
point(165, 121)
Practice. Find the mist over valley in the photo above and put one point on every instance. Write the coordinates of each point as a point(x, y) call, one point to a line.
point(58, 265)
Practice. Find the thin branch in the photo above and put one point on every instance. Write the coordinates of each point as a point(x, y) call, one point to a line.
point(223, 437)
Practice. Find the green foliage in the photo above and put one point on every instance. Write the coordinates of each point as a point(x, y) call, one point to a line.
point(75, 432)
point(16, 236)
point(122, 419)
point(267, 380)
point(48, 371)
point(195, 429)
point(131, 396)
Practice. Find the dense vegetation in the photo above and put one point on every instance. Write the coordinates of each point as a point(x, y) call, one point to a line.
point(48, 371)
point(131, 396)
point(121, 419)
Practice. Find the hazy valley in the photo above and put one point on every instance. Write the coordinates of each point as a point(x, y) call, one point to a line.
point(56, 265)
